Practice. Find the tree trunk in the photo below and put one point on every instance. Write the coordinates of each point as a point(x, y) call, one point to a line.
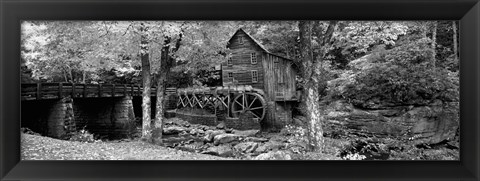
point(161, 77)
point(311, 71)
point(310, 103)
point(455, 46)
point(146, 79)
point(434, 43)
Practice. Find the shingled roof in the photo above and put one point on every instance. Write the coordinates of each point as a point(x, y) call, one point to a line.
point(258, 44)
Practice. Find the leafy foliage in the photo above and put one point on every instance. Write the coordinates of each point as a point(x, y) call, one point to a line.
point(402, 76)
point(82, 136)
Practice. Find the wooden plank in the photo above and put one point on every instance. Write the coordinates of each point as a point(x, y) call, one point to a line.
point(113, 90)
point(73, 90)
point(139, 92)
point(132, 87)
point(84, 90)
point(60, 90)
point(99, 90)
point(39, 91)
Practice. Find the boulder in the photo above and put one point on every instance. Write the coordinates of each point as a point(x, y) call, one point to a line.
point(270, 145)
point(222, 150)
point(225, 138)
point(421, 125)
point(256, 139)
point(273, 155)
point(195, 131)
point(221, 125)
point(173, 130)
point(177, 121)
point(429, 125)
point(246, 147)
point(299, 121)
point(246, 133)
point(210, 134)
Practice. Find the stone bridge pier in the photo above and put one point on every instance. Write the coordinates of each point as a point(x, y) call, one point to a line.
point(111, 117)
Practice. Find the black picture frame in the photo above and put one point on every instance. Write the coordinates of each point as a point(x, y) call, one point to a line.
point(13, 11)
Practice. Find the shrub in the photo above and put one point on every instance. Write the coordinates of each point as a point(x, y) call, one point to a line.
point(82, 136)
point(296, 138)
point(29, 131)
point(402, 76)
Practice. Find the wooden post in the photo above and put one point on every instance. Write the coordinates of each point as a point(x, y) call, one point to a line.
point(138, 90)
point(124, 89)
point(60, 90)
point(73, 90)
point(113, 90)
point(84, 90)
point(99, 90)
point(133, 90)
point(39, 90)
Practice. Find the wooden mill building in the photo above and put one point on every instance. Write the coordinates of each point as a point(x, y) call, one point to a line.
point(250, 63)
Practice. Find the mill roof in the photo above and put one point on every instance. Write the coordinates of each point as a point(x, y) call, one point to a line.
point(257, 43)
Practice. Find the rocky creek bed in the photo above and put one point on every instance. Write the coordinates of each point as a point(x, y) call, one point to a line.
point(225, 142)
point(290, 144)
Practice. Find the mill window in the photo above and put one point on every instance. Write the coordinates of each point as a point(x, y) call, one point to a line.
point(230, 74)
point(240, 39)
point(254, 76)
point(253, 58)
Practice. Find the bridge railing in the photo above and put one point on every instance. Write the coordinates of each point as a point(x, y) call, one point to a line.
point(33, 91)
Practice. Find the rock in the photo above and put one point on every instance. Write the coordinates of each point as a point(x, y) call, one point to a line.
point(299, 121)
point(173, 130)
point(270, 145)
point(246, 133)
point(195, 132)
point(273, 155)
point(221, 125)
point(421, 125)
point(225, 138)
point(256, 139)
point(222, 150)
point(186, 148)
point(246, 147)
point(278, 138)
point(210, 134)
point(229, 130)
point(430, 125)
point(177, 121)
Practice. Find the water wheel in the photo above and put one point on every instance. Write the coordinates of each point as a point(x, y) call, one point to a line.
point(252, 103)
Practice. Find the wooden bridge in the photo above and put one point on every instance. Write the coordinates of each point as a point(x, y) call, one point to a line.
point(38, 91)
point(58, 109)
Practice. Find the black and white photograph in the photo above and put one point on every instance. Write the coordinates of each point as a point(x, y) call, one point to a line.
point(240, 90)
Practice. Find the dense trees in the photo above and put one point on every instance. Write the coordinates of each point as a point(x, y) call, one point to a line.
point(381, 62)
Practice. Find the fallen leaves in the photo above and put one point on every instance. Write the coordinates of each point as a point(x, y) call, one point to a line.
point(34, 147)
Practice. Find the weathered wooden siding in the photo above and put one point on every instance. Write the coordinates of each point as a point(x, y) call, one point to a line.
point(279, 78)
point(269, 76)
point(241, 66)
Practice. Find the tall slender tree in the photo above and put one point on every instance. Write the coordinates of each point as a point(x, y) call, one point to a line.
point(434, 42)
point(146, 81)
